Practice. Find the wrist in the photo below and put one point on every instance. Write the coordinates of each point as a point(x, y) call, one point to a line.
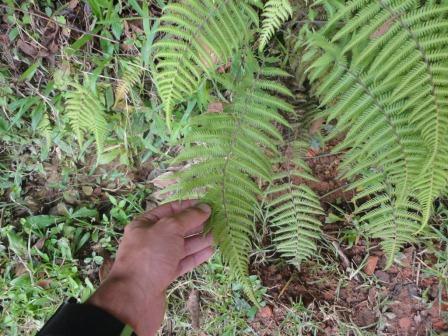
point(117, 299)
point(142, 310)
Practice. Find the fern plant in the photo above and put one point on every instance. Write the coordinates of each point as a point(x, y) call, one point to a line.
point(86, 114)
point(378, 68)
point(382, 77)
point(200, 36)
point(294, 209)
point(275, 13)
point(228, 152)
point(131, 73)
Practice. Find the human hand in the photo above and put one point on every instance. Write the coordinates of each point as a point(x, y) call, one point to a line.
point(158, 246)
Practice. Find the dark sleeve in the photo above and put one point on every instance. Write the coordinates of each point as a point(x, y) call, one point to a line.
point(81, 319)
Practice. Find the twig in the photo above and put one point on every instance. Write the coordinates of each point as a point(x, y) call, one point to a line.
point(417, 278)
point(285, 286)
point(333, 191)
point(320, 155)
point(344, 259)
point(58, 23)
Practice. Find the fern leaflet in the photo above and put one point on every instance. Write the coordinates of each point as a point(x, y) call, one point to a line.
point(275, 13)
point(200, 37)
point(86, 113)
point(293, 210)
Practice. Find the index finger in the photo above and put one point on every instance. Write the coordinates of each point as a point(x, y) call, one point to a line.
point(192, 219)
point(164, 210)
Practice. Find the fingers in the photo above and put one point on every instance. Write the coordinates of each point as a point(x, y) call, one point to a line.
point(164, 210)
point(192, 261)
point(197, 243)
point(172, 208)
point(192, 219)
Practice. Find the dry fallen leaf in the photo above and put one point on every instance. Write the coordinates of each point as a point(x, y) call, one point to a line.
point(193, 308)
point(44, 283)
point(19, 269)
point(383, 29)
point(87, 190)
point(316, 125)
point(164, 180)
point(265, 313)
point(215, 107)
point(27, 48)
point(370, 266)
point(72, 4)
point(40, 243)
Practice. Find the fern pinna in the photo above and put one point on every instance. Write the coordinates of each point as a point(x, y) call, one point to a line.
point(382, 76)
point(228, 152)
point(86, 114)
point(275, 13)
point(293, 208)
point(200, 36)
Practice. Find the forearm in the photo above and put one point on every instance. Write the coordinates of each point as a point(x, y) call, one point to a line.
point(81, 319)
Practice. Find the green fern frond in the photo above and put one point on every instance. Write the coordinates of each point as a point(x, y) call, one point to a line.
point(382, 78)
point(86, 113)
point(131, 73)
point(227, 151)
point(200, 36)
point(294, 209)
point(390, 214)
point(275, 13)
point(44, 127)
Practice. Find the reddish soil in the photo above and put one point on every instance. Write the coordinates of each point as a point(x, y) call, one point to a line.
point(324, 166)
point(400, 301)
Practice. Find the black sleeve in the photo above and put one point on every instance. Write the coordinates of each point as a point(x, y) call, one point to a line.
point(81, 319)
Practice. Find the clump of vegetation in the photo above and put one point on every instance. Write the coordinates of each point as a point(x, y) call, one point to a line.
point(103, 103)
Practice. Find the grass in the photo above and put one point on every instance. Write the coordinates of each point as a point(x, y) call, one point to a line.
point(62, 213)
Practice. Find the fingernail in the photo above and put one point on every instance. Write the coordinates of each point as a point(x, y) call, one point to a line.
point(204, 207)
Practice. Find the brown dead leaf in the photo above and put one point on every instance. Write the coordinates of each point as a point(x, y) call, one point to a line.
point(72, 4)
point(44, 283)
point(193, 309)
point(316, 125)
point(405, 323)
point(27, 48)
point(383, 29)
point(50, 41)
point(439, 325)
point(105, 267)
point(40, 243)
point(370, 266)
point(208, 62)
point(87, 190)
point(215, 107)
point(265, 313)
point(19, 269)
point(164, 180)
point(4, 39)
point(225, 67)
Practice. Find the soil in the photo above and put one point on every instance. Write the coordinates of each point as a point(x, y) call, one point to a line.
point(325, 167)
point(398, 301)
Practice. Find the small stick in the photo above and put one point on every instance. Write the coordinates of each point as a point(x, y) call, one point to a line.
point(285, 287)
point(344, 259)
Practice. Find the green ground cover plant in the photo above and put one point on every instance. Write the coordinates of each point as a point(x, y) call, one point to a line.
point(110, 107)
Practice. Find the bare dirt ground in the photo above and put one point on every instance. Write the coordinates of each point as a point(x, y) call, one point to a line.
point(402, 300)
